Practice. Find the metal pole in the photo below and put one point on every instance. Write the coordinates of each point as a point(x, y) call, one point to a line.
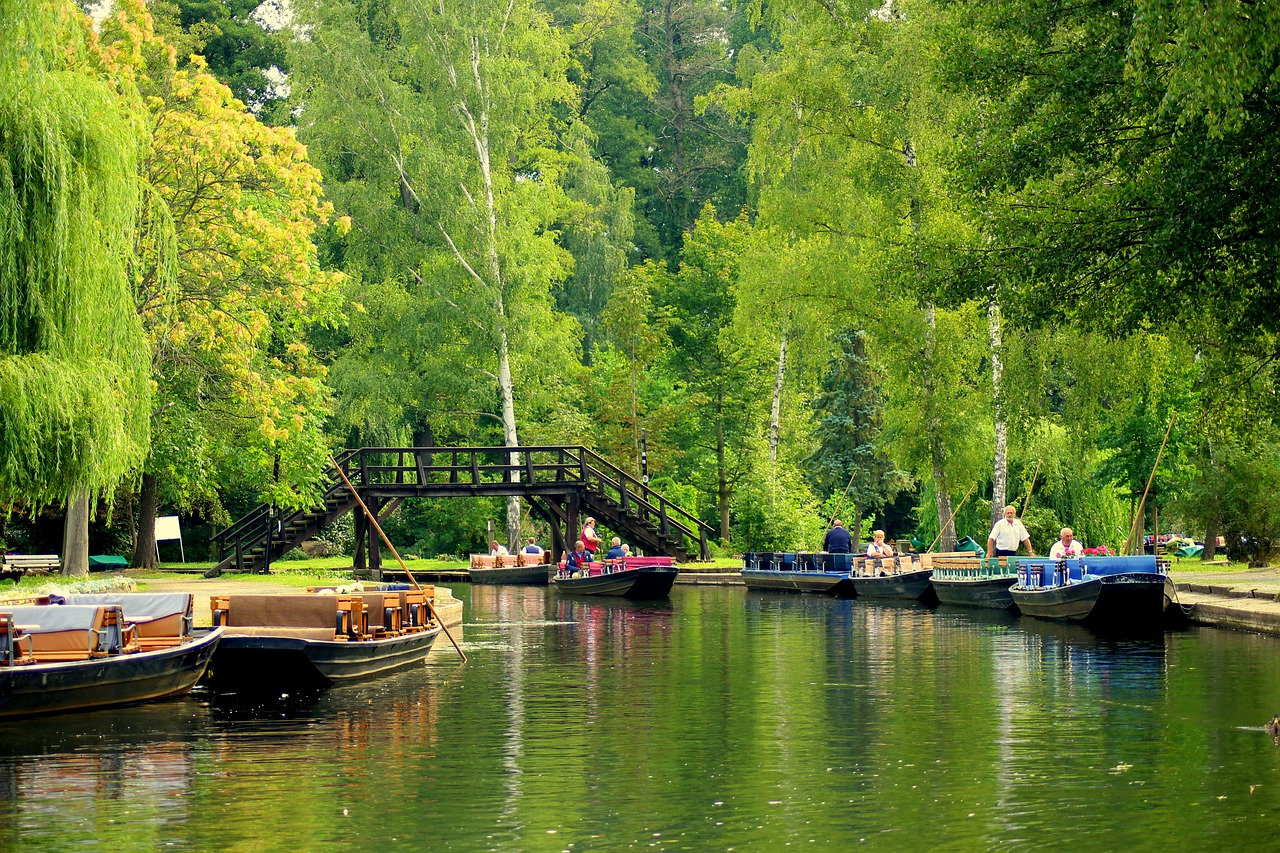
point(644, 458)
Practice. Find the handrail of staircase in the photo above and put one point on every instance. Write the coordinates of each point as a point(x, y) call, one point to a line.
point(696, 529)
point(255, 520)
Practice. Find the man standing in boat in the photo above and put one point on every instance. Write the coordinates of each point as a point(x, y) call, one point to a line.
point(837, 540)
point(1006, 534)
point(1066, 546)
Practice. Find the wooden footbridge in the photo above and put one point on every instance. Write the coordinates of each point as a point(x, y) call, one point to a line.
point(561, 484)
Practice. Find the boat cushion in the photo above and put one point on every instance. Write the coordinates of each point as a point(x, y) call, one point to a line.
point(69, 629)
point(155, 613)
point(295, 633)
point(282, 611)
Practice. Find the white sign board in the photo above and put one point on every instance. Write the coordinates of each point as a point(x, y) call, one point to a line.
point(167, 529)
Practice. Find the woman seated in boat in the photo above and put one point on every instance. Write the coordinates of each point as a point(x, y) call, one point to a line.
point(616, 551)
point(878, 547)
point(1066, 546)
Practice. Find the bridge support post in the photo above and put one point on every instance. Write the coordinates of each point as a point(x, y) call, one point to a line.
point(375, 544)
point(572, 504)
point(358, 559)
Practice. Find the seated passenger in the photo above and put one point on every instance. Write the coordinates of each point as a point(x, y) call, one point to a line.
point(615, 550)
point(579, 560)
point(837, 540)
point(533, 547)
point(878, 547)
point(497, 549)
point(1066, 546)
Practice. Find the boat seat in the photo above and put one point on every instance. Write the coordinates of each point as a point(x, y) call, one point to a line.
point(12, 639)
point(533, 559)
point(157, 620)
point(71, 632)
point(414, 613)
point(341, 616)
point(508, 561)
point(383, 616)
point(483, 561)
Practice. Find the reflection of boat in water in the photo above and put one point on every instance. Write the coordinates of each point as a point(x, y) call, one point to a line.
point(284, 642)
point(100, 651)
point(901, 576)
point(823, 573)
point(511, 569)
point(967, 579)
point(632, 577)
point(1121, 593)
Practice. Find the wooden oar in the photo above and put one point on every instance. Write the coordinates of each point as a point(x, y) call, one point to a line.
point(378, 527)
point(954, 512)
point(1142, 504)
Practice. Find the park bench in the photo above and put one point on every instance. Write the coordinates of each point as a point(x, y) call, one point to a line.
point(20, 564)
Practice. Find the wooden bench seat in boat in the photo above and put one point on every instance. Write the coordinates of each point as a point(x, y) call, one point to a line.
point(308, 617)
point(543, 559)
point(12, 640)
point(159, 620)
point(67, 632)
point(483, 561)
point(383, 614)
point(508, 561)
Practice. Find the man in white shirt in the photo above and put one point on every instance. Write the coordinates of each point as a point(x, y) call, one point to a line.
point(1066, 546)
point(1006, 534)
point(497, 549)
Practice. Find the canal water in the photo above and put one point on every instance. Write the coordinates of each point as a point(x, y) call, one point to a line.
point(722, 720)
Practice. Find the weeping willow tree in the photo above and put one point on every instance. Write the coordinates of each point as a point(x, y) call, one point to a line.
point(74, 363)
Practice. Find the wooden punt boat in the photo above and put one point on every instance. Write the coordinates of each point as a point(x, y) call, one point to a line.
point(74, 657)
point(294, 641)
point(525, 569)
point(822, 573)
point(633, 577)
point(1116, 593)
point(902, 577)
point(966, 579)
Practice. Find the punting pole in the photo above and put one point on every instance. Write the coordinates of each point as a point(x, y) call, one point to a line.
point(378, 527)
point(1142, 504)
point(954, 512)
point(840, 503)
point(1027, 500)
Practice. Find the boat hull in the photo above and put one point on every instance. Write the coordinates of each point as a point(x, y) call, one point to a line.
point(539, 575)
point(1122, 601)
point(1072, 603)
point(281, 663)
point(126, 679)
point(824, 583)
point(988, 593)
point(644, 583)
point(909, 586)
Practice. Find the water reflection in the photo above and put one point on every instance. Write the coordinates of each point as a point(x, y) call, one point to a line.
point(722, 719)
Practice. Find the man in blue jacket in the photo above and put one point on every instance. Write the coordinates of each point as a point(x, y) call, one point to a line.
point(837, 540)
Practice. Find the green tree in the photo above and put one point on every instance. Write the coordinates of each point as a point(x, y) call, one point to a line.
point(73, 356)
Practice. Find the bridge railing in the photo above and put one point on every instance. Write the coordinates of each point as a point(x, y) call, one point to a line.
point(251, 527)
point(370, 467)
point(634, 495)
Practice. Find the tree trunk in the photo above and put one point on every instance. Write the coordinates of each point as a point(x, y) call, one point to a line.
point(722, 476)
point(1000, 468)
point(933, 426)
point(775, 413)
point(75, 536)
point(144, 549)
